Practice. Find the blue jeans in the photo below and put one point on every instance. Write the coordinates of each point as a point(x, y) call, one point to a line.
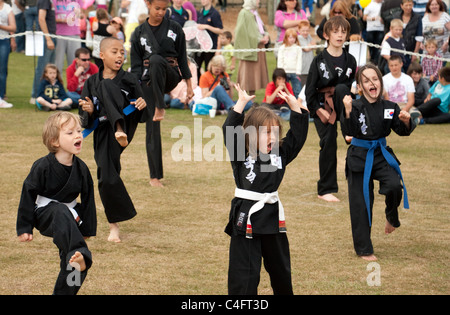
point(295, 82)
point(20, 28)
point(48, 57)
point(374, 37)
point(222, 97)
point(74, 96)
point(176, 103)
point(308, 4)
point(4, 56)
point(31, 18)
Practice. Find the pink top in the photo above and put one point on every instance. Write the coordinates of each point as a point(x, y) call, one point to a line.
point(280, 16)
point(65, 10)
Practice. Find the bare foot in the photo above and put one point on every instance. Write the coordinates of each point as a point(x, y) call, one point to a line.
point(77, 261)
point(155, 182)
point(348, 139)
point(121, 137)
point(328, 197)
point(369, 257)
point(114, 233)
point(159, 114)
point(388, 229)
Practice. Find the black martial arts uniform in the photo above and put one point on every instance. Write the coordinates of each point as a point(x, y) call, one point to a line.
point(159, 60)
point(372, 122)
point(266, 237)
point(60, 185)
point(110, 97)
point(327, 72)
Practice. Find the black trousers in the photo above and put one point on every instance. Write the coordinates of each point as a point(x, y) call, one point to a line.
point(432, 114)
point(245, 264)
point(55, 220)
point(163, 78)
point(390, 186)
point(328, 145)
point(107, 151)
point(199, 58)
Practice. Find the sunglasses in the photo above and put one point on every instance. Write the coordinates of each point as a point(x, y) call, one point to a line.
point(84, 59)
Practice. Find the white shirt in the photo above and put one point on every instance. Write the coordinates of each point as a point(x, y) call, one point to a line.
point(290, 58)
point(373, 11)
point(4, 12)
point(398, 88)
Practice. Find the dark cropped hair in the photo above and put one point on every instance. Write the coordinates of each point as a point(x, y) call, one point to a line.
point(282, 6)
point(335, 23)
point(82, 50)
point(414, 67)
point(445, 73)
point(279, 73)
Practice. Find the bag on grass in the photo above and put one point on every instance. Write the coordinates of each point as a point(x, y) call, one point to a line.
point(204, 105)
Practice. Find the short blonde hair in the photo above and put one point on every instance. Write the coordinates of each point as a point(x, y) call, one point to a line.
point(218, 61)
point(431, 41)
point(397, 23)
point(52, 128)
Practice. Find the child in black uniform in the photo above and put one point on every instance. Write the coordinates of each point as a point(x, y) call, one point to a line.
point(159, 60)
point(49, 200)
point(259, 161)
point(369, 121)
point(329, 79)
point(104, 101)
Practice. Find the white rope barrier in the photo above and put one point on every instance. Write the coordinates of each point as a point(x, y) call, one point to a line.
point(241, 50)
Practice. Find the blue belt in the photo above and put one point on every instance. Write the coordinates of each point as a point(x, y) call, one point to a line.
point(127, 111)
point(371, 145)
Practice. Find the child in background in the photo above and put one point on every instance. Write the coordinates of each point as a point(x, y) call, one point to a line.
point(51, 94)
point(290, 59)
point(398, 86)
point(49, 200)
point(395, 40)
point(435, 110)
point(431, 66)
point(330, 77)
point(179, 94)
point(369, 120)
point(118, 25)
point(227, 51)
point(421, 86)
point(305, 39)
point(257, 223)
point(272, 98)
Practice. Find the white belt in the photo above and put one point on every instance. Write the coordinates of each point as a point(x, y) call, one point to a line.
point(42, 201)
point(261, 198)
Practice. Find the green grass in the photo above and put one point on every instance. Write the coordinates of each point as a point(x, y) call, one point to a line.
point(176, 244)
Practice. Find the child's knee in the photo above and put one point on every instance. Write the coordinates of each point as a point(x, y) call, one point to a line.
point(391, 187)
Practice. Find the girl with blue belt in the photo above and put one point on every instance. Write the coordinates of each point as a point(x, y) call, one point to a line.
point(369, 120)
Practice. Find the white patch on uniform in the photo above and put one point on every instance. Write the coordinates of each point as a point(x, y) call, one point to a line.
point(388, 113)
point(172, 35)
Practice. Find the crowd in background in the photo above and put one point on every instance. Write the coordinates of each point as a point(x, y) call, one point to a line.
point(417, 26)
